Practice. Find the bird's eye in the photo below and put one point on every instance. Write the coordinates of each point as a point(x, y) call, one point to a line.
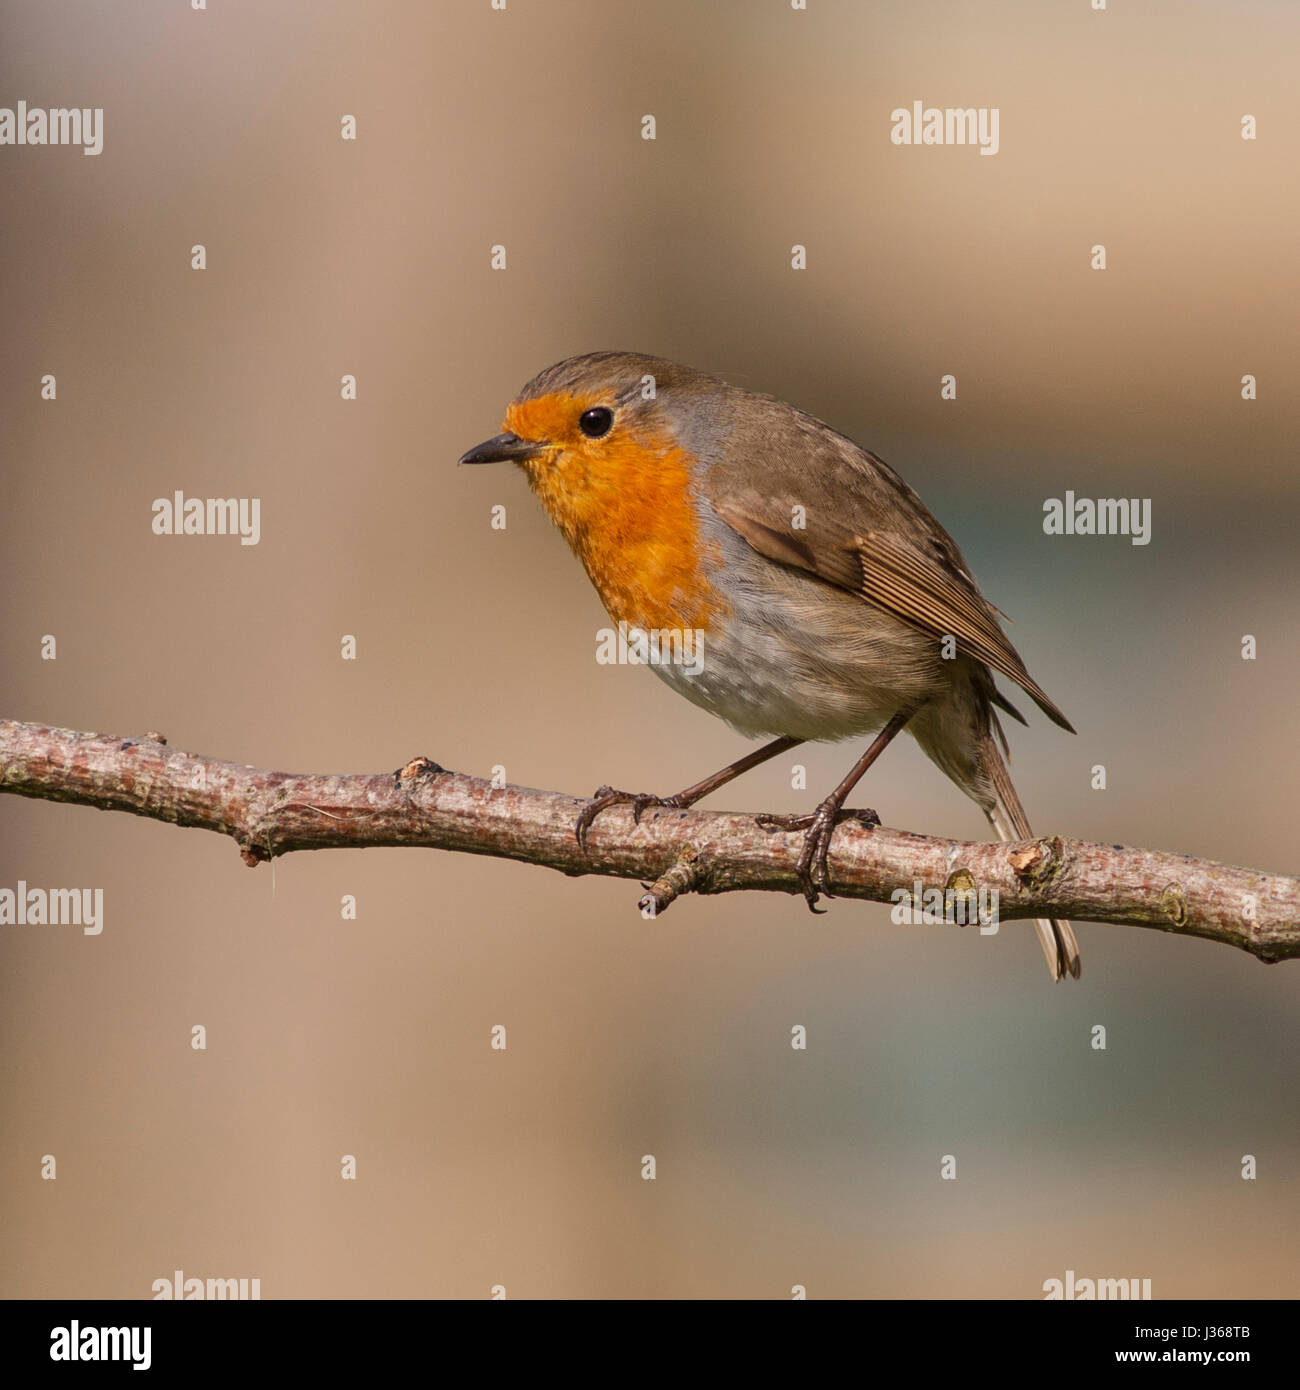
point(595, 422)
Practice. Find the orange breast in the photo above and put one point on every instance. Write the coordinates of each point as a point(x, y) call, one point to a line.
point(623, 504)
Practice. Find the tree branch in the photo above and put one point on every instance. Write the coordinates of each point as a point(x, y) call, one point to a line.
point(273, 813)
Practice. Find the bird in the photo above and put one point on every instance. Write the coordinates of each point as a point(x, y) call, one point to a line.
point(829, 601)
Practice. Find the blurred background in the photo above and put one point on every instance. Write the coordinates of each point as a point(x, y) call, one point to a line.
point(326, 1037)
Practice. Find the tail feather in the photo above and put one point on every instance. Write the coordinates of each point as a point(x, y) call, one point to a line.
point(1007, 816)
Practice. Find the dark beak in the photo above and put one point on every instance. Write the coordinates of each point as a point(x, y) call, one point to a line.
point(503, 448)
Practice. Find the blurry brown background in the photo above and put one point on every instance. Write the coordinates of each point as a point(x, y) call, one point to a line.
point(328, 1037)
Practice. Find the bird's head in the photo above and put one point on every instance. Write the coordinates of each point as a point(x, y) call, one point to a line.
point(602, 442)
point(611, 442)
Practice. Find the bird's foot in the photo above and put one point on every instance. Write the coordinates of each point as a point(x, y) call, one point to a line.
point(819, 829)
point(605, 797)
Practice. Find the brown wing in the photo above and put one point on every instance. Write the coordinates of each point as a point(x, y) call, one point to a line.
point(864, 531)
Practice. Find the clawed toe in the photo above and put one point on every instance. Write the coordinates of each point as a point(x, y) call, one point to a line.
point(813, 867)
point(605, 797)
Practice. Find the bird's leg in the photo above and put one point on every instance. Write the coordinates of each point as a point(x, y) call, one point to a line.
point(606, 797)
point(813, 868)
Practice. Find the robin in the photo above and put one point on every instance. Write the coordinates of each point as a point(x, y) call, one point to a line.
point(831, 603)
